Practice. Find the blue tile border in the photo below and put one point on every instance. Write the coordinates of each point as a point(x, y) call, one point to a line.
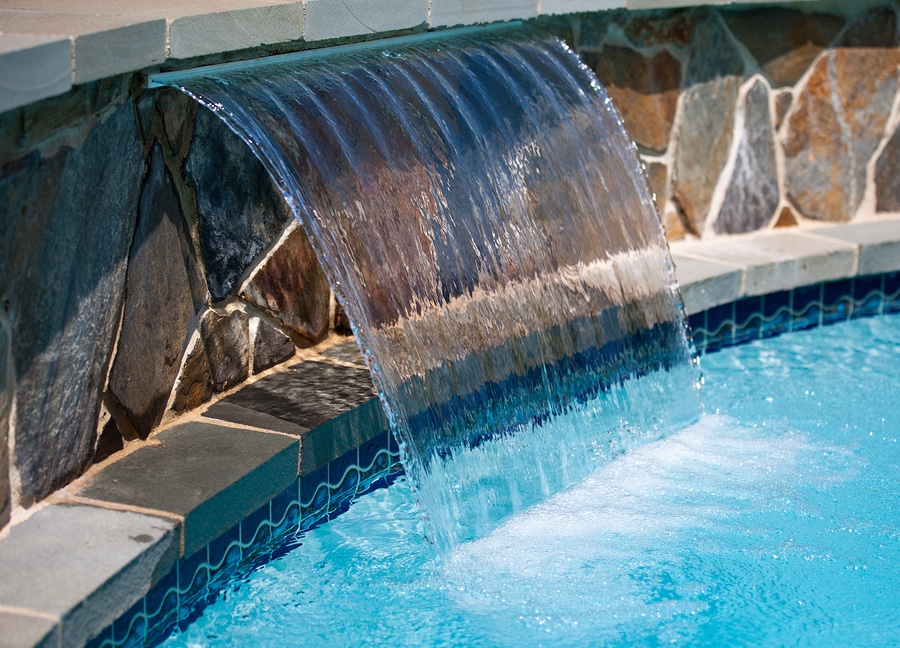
point(327, 491)
point(273, 529)
point(804, 307)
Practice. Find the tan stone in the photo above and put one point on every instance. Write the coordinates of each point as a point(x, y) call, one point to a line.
point(658, 177)
point(786, 218)
point(644, 89)
point(837, 125)
point(703, 144)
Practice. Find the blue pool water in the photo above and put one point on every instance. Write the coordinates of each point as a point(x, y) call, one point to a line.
point(775, 521)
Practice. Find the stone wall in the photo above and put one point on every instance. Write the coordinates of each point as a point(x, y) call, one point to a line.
point(147, 263)
point(748, 118)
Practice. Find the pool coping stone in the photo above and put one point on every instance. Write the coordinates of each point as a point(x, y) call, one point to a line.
point(64, 42)
point(199, 480)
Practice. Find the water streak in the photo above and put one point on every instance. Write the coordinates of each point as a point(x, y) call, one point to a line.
point(482, 217)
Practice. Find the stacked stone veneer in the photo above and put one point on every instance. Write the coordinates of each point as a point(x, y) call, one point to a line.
point(148, 264)
point(748, 118)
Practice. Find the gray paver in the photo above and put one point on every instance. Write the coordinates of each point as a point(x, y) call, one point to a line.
point(781, 260)
point(24, 631)
point(33, 68)
point(705, 284)
point(879, 244)
point(339, 18)
point(446, 13)
point(212, 475)
point(83, 564)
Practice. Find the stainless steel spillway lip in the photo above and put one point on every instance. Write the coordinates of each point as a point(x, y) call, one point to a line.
point(176, 77)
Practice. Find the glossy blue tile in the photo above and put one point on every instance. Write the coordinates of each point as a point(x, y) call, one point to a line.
point(104, 639)
point(892, 292)
point(343, 475)
point(807, 307)
point(314, 493)
point(220, 547)
point(697, 326)
point(776, 314)
point(837, 301)
point(748, 316)
point(868, 295)
point(130, 630)
point(719, 327)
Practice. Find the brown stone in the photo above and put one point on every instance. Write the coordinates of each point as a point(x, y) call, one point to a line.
point(291, 287)
point(784, 42)
point(675, 230)
point(875, 28)
point(704, 141)
point(658, 178)
point(751, 196)
point(270, 346)
point(163, 287)
point(194, 386)
point(227, 342)
point(835, 128)
point(6, 394)
point(178, 114)
point(887, 176)
point(644, 89)
point(786, 218)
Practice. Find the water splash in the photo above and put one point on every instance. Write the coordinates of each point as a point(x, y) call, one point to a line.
point(482, 217)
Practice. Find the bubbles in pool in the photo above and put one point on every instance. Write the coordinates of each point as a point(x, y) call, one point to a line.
point(772, 522)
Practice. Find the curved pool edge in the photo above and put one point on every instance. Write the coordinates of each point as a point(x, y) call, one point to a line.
point(150, 561)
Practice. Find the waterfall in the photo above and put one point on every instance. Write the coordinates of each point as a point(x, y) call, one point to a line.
point(483, 219)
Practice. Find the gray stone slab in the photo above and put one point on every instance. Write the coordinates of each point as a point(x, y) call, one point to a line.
point(705, 284)
point(446, 13)
point(83, 564)
point(338, 18)
point(341, 434)
point(233, 413)
point(212, 475)
point(28, 631)
point(222, 31)
point(33, 68)
point(878, 241)
point(781, 260)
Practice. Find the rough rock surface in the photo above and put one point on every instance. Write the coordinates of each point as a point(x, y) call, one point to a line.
point(752, 194)
point(239, 211)
point(837, 124)
point(227, 342)
point(6, 394)
point(644, 89)
point(708, 104)
point(887, 176)
point(784, 42)
point(704, 142)
point(291, 287)
point(658, 178)
point(270, 346)
point(66, 224)
point(194, 386)
point(164, 289)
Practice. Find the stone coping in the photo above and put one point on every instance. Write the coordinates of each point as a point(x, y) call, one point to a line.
point(47, 46)
point(79, 561)
point(723, 270)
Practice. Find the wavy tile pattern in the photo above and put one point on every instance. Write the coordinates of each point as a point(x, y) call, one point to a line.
point(267, 533)
point(326, 492)
point(753, 318)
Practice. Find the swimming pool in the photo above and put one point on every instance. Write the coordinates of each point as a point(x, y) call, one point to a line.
point(773, 521)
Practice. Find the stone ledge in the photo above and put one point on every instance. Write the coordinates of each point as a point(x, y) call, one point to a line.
point(72, 569)
point(771, 261)
point(47, 45)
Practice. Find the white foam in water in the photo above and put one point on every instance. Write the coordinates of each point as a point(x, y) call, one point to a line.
point(572, 559)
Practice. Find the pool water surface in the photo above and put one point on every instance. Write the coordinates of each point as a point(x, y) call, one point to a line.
point(775, 520)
